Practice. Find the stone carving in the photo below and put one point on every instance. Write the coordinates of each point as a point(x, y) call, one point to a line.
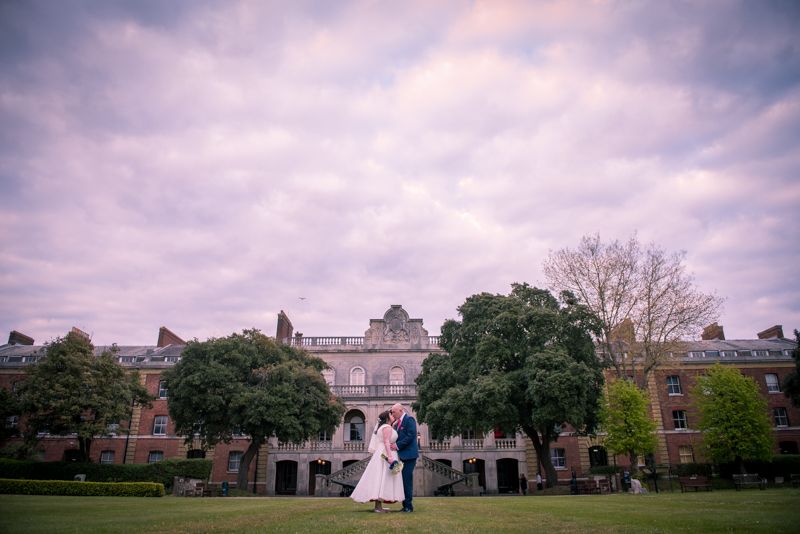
point(395, 328)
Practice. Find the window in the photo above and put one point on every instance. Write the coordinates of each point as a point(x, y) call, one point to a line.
point(397, 376)
point(160, 425)
point(679, 419)
point(686, 454)
point(471, 433)
point(12, 422)
point(329, 375)
point(162, 389)
point(674, 385)
point(728, 353)
point(234, 460)
point(773, 385)
point(696, 354)
point(324, 436)
point(354, 426)
point(559, 458)
point(126, 359)
point(155, 456)
point(712, 353)
point(761, 353)
point(107, 457)
point(781, 417)
point(357, 376)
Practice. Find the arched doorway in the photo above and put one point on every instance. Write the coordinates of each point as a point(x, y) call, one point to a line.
point(507, 475)
point(354, 426)
point(476, 465)
point(286, 477)
point(598, 457)
point(319, 466)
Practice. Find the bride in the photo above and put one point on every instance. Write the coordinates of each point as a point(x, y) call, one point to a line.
point(379, 483)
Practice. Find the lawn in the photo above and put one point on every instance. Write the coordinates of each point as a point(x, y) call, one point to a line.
point(773, 511)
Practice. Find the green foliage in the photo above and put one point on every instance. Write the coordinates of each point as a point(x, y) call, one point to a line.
point(161, 472)
point(686, 470)
point(791, 384)
point(247, 383)
point(516, 361)
point(626, 421)
point(8, 407)
point(71, 391)
point(81, 489)
point(733, 416)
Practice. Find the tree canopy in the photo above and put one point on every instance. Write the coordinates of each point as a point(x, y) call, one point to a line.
point(626, 421)
point(517, 361)
point(732, 416)
point(791, 384)
point(247, 384)
point(646, 285)
point(72, 391)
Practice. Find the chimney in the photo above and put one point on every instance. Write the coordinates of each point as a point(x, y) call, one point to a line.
point(78, 332)
point(772, 332)
point(713, 331)
point(623, 332)
point(18, 338)
point(285, 329)
point(167, 337)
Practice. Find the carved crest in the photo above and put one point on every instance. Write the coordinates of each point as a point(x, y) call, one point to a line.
point(396, 325)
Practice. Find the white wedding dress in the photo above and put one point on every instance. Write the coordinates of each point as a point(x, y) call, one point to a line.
point(377, 482)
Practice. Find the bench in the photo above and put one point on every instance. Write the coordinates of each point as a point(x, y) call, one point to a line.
point(795, 479)
point(749, 481)
point(695, 482)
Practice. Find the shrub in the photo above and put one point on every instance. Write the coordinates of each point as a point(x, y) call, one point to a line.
point(81, 489)
point(161, 472)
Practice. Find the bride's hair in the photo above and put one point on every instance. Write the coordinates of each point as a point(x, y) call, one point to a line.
point(383, 419)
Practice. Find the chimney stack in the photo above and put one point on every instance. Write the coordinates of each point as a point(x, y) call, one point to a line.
point(713, 331)
point(77, 331)
point(167, 337)
point(772, 332)
point(18, 338)
point(285, 329)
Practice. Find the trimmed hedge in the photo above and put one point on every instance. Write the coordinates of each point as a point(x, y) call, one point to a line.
point(161, 472)
point(686, 470)
point(80, 489)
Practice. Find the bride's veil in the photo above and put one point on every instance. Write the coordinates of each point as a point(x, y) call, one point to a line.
point(374, 440)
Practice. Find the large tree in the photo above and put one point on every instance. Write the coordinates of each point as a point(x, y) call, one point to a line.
point(72, 391)
point(732, 417)
point(626, 421)
point(646, 285)
point(517, 361)
point(249, 384)
point(791, 384)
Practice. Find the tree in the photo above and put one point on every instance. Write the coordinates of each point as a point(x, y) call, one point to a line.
point(732, 417)
point(72, 391)
point(626, 421)
point(619, 281)
point(9, 407)
point(791, 384)
point(517, 361)
point(249, 384)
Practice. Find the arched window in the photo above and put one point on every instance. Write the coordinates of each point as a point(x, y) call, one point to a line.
point(354, 426)
point(330, 376)
point(397, 376)
point(357, 376)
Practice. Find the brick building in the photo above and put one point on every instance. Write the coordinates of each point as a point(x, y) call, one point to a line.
point(374, 371)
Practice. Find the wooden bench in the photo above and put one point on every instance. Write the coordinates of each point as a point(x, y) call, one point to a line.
point(695, 482)
point(749, 481)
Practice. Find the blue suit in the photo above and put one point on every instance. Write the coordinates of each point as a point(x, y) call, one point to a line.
point(408, 451)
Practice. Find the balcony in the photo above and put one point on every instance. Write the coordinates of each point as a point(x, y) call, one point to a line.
point(397, 391)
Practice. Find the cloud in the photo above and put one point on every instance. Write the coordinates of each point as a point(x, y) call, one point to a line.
point(203, 165)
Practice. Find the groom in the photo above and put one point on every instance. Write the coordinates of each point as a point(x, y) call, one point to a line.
point(407, 451)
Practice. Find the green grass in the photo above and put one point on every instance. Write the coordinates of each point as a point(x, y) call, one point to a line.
point(773, 511)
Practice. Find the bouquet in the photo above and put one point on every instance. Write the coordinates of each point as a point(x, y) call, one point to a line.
point(395, 466)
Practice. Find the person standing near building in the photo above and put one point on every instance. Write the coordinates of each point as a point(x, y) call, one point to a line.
point(539, 482)
point(523, 484)
point(407, 450)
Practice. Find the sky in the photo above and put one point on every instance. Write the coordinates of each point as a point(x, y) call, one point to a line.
point(202, 165)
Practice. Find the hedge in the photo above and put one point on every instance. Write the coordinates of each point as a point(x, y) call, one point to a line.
point(161, 472)
point(80, 489)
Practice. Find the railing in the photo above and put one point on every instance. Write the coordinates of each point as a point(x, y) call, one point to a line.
point(348, 475)
point(472, 443)
point(506, 443)
point(453, 475)
point(320, 445)
point(354, 446)
point(443, 445)
point(330, 341)
point(376, 390)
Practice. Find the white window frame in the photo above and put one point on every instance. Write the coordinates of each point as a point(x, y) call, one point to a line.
point(162, 389)
point(357, 376)
point(155, 456)
point(558, 456)
point(674, 387)
point(781, 416)
point(397, 376)
point(107, 457)
point(773, 383)
point(234, 461)
point(160, 425)
point(680, 420)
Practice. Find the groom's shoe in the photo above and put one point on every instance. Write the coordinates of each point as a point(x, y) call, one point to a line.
point(407, 510)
